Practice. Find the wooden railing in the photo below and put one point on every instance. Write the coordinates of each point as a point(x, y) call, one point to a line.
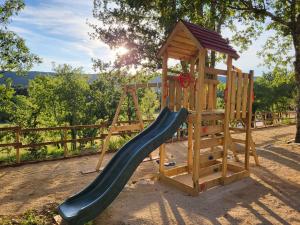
point(19, 134)
point(266, 119)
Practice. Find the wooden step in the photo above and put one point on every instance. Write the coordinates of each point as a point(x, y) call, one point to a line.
point(210, 156)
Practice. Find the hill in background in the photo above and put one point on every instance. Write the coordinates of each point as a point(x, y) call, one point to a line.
point(23, 80)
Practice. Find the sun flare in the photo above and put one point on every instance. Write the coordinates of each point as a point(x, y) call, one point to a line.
point(121, 51)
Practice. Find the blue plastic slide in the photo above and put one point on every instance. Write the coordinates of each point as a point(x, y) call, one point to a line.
point(91, 201)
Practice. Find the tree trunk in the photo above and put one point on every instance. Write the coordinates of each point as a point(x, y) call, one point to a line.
point(297, 78)
point(296, 40)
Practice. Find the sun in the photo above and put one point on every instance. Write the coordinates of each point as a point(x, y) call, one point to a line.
point(121, 51)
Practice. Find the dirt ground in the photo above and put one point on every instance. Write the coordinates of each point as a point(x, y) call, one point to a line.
point(270, 196)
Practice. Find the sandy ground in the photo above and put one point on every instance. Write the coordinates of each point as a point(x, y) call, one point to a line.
point(270, 196)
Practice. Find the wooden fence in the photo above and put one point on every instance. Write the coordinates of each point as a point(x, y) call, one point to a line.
point(19, 135)
point(260, 119)
point(266, 119)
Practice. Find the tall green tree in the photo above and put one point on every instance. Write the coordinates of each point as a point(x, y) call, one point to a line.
point(282, 17)
point(14, 54)
point(142, 26)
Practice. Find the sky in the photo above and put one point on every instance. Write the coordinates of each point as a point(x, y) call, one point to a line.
point(57, 31)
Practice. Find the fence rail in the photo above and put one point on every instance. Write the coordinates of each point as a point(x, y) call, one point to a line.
point(260, 119)
point(266, 119)
point(19, 132)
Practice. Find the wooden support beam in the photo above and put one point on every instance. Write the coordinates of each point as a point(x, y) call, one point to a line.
point(162, 148)
point(198, 119)
point(248, 121)
point(227, 117)
point(131, 127)
point(190, 147)
point(106, 142)
point(17, 140)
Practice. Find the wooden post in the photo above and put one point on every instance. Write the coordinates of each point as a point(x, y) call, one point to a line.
point(106, 142)
point(198, 105)
point(65, 143)
point(227, 117)
point(138, 111)
point(249, 117)
point(190, 146)
point(190, 123)
point(162, 148)
point(18, 156)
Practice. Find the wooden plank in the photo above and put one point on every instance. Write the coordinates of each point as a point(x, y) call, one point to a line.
point(176, 170)
point(207, 116)
point(210, 169)
point(211, 142)
point(244, 97)
point(190, 147)
point(214, 129)
point(181, 50)
point(182, 45)
point(239, 94)
point(17, 140)
point(180, 56)
point(178, 95)
point(215, 71)
point(131, 127)
point(198, 119)
point(210, 155)
point(181, 186)
point(184, 40)
point(204, 97)
point(233, 95)
point(236, 176)
point(214, 181)
point(248, 124)
point(227, 117)
point(162, 149)
point(186, 97)
point(172, 94)
point(65, 134)
point(192, 87)
point(235, 168)
point(210, 103)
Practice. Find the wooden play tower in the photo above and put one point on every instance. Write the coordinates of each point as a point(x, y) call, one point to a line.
point(209, 137)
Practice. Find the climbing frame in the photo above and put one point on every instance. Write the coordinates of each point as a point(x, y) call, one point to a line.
point(209, 138)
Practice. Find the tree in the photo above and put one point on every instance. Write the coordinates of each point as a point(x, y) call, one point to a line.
point(275, 91)
point(149, 104)
point(283, 17)
point(142, 26)
point(14, 55)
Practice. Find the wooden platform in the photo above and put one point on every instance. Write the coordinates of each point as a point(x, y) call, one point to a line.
point(210, 176)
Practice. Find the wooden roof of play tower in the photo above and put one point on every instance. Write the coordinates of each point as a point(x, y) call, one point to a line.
point(186, 39)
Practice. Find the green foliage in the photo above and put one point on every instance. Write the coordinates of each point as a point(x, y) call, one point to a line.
point(14, 55)
point(143, 26)
point(275, 91)
point(116, 143)
point(149, 104)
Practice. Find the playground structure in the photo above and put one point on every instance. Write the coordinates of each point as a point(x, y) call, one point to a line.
point(186, 98)
point(208, 127)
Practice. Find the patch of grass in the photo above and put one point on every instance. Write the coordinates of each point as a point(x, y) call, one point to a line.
point(32, 217)
point(117, 142)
